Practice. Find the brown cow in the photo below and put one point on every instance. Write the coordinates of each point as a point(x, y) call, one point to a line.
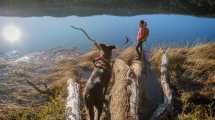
point(95, 90)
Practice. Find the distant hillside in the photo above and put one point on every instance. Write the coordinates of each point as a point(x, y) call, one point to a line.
point(113, 7)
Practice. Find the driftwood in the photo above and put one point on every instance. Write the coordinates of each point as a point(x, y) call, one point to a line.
point(73, 101)
point(128, 92)
point(119, 104)
point(136, 89)
point(142, 103)
point(166, 105)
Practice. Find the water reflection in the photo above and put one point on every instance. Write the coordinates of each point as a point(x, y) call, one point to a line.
point(40, 33)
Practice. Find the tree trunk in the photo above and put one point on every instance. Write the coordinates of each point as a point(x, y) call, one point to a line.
point(166, 105)
point(119, 104)
point(128, 101)
point(73, 101)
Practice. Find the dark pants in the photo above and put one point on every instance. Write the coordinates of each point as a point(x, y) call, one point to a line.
point(139, 48)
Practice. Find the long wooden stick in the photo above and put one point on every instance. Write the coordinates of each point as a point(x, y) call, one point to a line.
point(87, 35)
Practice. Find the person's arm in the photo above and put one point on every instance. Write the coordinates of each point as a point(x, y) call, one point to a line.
point(140, 35)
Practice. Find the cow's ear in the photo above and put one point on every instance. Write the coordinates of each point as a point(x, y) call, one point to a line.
point(112, 47)
point(102, 45)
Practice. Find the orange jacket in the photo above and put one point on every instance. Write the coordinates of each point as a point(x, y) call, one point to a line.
point(142, 33)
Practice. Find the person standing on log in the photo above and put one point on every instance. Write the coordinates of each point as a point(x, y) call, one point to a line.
point(142, 35)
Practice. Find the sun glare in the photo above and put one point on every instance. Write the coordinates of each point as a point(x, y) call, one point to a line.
point(11, 33)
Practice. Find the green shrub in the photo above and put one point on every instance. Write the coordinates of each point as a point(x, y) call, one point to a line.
point(2, 66)
point(53, 110)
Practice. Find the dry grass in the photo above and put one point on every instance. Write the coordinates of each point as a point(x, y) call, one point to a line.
point(53, 110)
point(191, 72)
point(85, 61)
point(39, 107)
point(128, 55)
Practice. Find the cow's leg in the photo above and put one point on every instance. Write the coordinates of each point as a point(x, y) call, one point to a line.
point(88, 93)
point(90, 111)
point(91, 81)
point(99, 111)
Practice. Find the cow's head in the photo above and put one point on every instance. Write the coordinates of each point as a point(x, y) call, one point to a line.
point(107, 50)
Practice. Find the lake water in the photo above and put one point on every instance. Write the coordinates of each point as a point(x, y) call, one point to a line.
point(166, 30)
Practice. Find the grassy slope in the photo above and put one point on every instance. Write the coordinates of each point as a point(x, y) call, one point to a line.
point(192, 76)
point(50, 107)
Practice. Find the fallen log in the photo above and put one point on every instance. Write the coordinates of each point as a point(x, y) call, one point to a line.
point(73, 101)
point(137, 89)
point(119, 104)
point(167, 98)
point(128, 97)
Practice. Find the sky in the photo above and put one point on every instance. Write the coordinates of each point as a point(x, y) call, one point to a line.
point(41, 33)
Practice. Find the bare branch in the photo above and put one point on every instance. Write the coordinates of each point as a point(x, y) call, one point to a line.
point(87, 35)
